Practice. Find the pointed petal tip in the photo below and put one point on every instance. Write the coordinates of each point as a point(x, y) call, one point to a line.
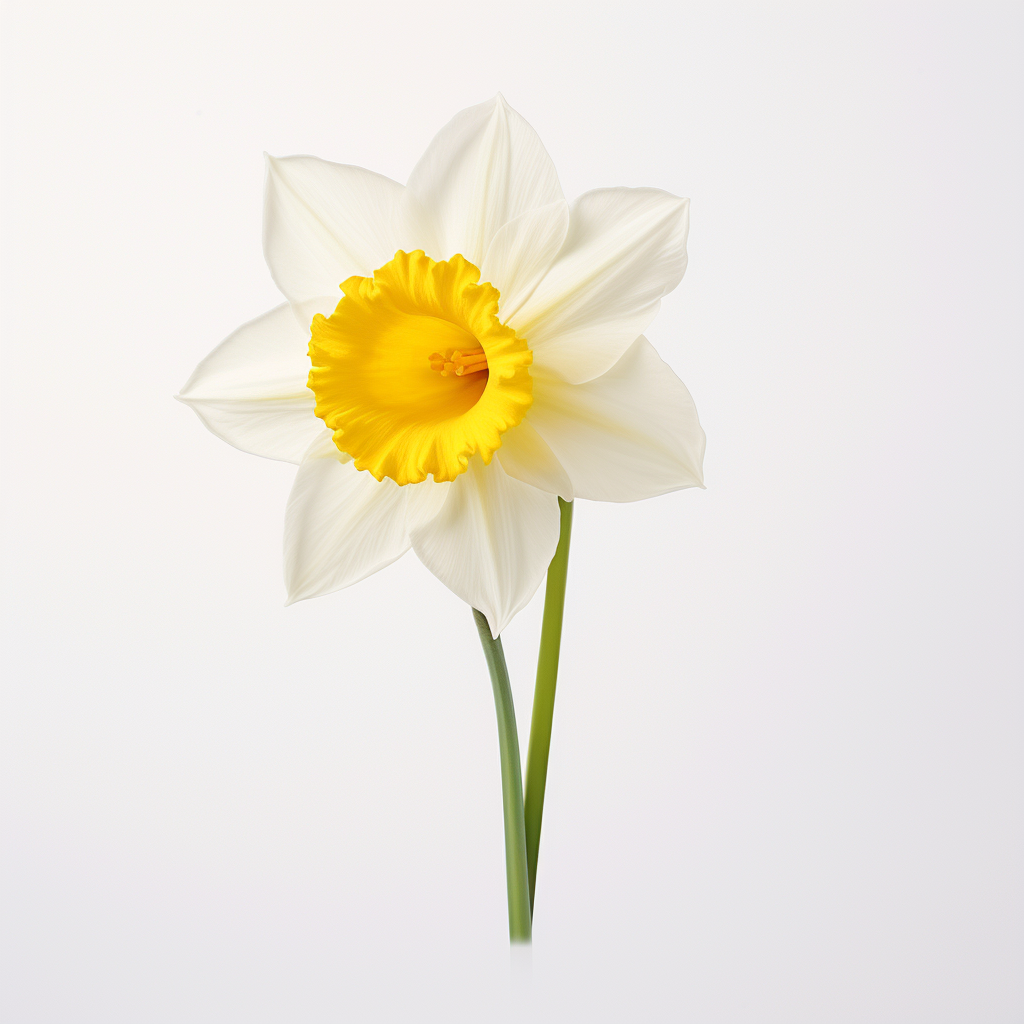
point(295, 596)
point(491, 620)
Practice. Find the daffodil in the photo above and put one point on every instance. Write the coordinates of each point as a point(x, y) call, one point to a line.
point(483, 360)
point(486, 355)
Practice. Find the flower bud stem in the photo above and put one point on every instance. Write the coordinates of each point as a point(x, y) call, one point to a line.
point(519, 925)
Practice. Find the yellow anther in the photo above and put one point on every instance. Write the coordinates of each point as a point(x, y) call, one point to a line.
point(458, 362)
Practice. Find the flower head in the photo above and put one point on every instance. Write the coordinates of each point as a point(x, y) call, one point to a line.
point(484, 358)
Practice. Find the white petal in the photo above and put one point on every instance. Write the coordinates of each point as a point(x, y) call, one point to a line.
point(484, 168)
point(525, 455)
point(341, 525)
point(251, 390)
point(631, 433)
point(625, 249)
point(521, 253)
point(492, 541)
point(324, 222)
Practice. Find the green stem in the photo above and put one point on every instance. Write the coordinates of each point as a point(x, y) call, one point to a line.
point(511, 786)
point(544, 694)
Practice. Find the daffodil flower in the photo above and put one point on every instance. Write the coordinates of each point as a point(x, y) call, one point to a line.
point(486, 357)
point(484, 360)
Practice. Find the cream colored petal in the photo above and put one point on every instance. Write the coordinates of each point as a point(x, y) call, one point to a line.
point(625, 249)
point(484, 168)
point(631, 433)
point(251, 390)
point(324, 222)
point(525, 455)
point(492, 541)
point(521, 253)
point(341, 525)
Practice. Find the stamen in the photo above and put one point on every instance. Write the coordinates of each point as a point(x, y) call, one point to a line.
point(458, 362)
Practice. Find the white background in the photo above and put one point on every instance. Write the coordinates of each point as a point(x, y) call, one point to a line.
point(786, 778)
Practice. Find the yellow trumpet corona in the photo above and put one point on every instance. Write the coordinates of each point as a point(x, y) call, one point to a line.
point(414, 372)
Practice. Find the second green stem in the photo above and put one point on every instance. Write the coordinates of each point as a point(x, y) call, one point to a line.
point(544, 694)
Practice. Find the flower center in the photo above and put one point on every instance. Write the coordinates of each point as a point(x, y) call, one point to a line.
point(414, 372)
point(459, 363)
